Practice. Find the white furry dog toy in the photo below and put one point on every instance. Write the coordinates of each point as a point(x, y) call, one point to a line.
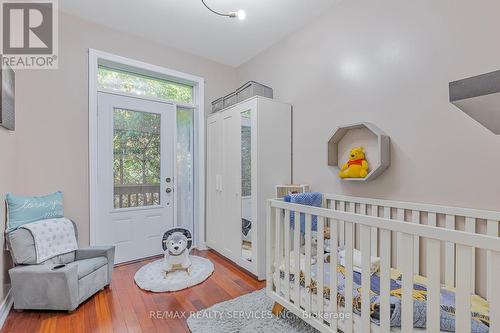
point(177, 244)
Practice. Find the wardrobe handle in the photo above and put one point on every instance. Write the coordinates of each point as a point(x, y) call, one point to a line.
point(218, 183)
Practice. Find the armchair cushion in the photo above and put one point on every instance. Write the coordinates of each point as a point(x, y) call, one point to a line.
point(87, 266)
point(98, 251)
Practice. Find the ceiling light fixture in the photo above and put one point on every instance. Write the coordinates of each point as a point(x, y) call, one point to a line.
point(239, 14)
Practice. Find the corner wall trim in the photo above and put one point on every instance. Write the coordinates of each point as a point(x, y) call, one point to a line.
point(5, 307)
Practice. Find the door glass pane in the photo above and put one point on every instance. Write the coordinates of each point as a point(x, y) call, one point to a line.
point(136, 158)
point(185, 153)
point(131, 83)
point(246, 185)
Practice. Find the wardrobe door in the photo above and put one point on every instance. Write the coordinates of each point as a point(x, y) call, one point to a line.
point(231, 183)
point(247, 184)
point(214, 180)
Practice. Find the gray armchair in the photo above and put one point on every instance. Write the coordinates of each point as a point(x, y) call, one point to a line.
point(38, 286)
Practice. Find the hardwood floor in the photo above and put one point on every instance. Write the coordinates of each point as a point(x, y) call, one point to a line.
point(123, 307)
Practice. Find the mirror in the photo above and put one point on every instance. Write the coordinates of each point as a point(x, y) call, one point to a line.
point(246, 185)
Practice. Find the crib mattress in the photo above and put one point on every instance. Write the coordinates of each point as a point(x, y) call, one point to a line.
point(480, 321)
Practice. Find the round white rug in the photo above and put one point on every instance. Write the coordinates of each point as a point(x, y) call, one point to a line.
point(152, 277)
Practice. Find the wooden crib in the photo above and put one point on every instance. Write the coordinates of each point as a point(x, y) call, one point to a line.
point(440, 243)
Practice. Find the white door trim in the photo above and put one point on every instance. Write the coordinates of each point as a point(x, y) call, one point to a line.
point(99, 57)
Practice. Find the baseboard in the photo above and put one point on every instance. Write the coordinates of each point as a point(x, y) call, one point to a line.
point(5, 307)
point(201, 246)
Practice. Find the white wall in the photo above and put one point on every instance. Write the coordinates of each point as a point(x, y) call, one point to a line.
point(389, 62)
point(52, 119)
point(8, 183)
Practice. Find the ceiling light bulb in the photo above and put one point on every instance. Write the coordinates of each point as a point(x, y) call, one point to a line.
point(241, 14)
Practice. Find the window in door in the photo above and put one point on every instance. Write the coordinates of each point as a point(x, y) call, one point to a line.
point(136, 158)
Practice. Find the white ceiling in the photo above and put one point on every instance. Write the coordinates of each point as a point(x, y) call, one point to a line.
point(187, 25)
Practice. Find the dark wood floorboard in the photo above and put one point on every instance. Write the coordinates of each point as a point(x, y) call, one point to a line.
point(123, 307)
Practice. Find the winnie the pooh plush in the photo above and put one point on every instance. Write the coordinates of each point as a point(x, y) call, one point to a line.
point(356, 166)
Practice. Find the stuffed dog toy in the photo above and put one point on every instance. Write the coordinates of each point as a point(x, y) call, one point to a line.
point(177, 244)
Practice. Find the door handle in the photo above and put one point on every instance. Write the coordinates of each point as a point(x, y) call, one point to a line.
point(168, 189)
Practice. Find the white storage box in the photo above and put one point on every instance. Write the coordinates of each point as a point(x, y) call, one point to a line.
point(218, 104)
point(252, 88)
point(230, 99)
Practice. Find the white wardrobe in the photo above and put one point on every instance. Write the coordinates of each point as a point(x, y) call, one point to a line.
point(248, 154)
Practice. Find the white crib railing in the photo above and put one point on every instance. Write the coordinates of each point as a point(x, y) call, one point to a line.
point(346, 216)
point(434, 215)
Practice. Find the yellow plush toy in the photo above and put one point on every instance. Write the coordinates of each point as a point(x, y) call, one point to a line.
point(356, 166)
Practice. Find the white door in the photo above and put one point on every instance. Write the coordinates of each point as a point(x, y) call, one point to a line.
point(214, 182)
point(231, 182)
point(135, 196)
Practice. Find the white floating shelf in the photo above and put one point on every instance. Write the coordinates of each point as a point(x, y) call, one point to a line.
point(383, 149)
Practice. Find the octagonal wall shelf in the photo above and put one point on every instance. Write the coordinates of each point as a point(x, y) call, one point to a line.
point(378, 146)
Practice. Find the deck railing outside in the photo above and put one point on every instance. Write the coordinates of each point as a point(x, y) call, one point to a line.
point(136, 195)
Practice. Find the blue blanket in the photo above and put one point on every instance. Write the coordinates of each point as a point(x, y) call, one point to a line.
point(309, 199)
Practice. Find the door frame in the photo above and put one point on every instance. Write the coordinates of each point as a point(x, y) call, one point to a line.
point(97, 58)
